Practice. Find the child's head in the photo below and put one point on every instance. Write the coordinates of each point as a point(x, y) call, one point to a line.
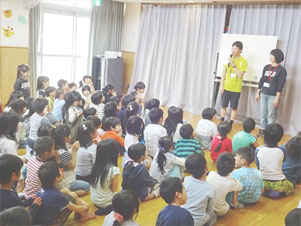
point(86, 133)
point(44, 147)
point(209, 114)
point(134, 125)
point(89, 112)
point(273, 134)
point(117, 100)
point(62, 83)
point(244, 156)
point(186, 131)
point(293, 148)
point(72, 98)
point(23, 71)
point(293, 218)
point(15, 216)
point(175, 116)
point(40, 106)
point(223, 129)
point(49, 174)
point(97, 98)
point(109, 89)
point(50, 91)
point(86, 90)
point(136, 95)
point(43, 82)
point(139, 87)
point(87, 79)
point(196, 165)
point(72, 86)
point(132, 110)
point(44, 130)
point(165, 145)
point(172, 190)
point(225, 164)
point(59, 93)
point(14, 96)
point(110, 109)
point(137, 152)
point(9, 125)
point(61, 135)
point(152, 103)
point(126, 100)
point(19, 106)
point(95, 121)
point(249, 125)
point(10, 167)
point(106, 155)
point(156, 116)
point(112, 123)
point(125, 204)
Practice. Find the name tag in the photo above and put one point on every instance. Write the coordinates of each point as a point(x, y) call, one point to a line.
point(233, 75)
point(267, 85)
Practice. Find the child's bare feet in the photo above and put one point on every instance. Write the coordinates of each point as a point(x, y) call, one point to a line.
point(87, 216)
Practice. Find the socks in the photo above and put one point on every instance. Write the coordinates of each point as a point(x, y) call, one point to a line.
point(222, 119)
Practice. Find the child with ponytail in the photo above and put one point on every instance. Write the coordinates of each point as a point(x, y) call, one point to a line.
point(221, 143)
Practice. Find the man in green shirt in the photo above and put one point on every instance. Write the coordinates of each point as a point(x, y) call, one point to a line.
point(231, 81)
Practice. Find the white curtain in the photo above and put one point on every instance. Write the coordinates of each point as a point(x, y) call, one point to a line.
point(283, 21)
point(176, 53)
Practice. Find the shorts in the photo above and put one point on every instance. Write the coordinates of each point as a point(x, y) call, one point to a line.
point(280, 186)
point(232, 97)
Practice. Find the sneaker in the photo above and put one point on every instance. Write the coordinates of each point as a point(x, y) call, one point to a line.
point(261, 133)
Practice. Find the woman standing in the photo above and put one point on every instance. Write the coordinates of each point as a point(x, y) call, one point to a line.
point(270, 88)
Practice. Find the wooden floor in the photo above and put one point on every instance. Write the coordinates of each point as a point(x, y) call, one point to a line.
point(266, 212)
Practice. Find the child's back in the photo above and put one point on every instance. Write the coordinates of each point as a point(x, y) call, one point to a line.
point(226, 146)
point(242, 139)
point(85, 160)
point(186, 147)
point(152, 134)
point(57, 109)
point(206, 130)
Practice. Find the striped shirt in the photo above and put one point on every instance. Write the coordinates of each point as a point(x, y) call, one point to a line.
point(32, 182)
point(186, 147)
point(65, 158)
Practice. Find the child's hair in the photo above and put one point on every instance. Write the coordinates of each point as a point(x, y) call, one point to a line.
point(89, 112)
point(186, 131)
point(208, 113)
point(22, 68)
point(110, 109)
point(29, 105)
point(84, 134)
point(238, 44)
point(84, 88)
point(116, 99)
point(135, 151)
point(175, 116)
point(110, 122)
point(81, 83)
point(39, 105)
point(49, 90)
point(155, 115)
point(107, 88)
point(246, 153)
point(225, 164)
point(278, 55)
point(95, 121)
point(15, 216)
point(47, 173)
point(165, 144)
point(126, 100)
point(18, 106)
point(70, 98)
point(41, 80)
point(134, 93)
point(59, 134)
point(13, 96)
point(9, 164)
point(293, 148)
point(71, 85)
point(9, 124)
point(139, 85)
point(125, 203)
point(131, 110)
point(273, 134)
point(293, 218)
point(223, 129)
point(44, 130)
point(248, 125)
point(61, 83)
point(43, 145)
point(152, 103)
point(196, 165)
point(59, 91)
point(96, 97)
point(169, 187)
point(135, 125)
point(106, 156)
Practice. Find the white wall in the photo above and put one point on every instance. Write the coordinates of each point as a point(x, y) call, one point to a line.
point(16, 21)
point(130, 29)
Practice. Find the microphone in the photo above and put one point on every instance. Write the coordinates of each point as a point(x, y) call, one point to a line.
point(229, 62)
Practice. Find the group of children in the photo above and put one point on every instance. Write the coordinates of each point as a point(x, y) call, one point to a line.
point(74, 138)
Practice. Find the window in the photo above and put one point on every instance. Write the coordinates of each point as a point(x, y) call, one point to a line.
point(64, 44)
